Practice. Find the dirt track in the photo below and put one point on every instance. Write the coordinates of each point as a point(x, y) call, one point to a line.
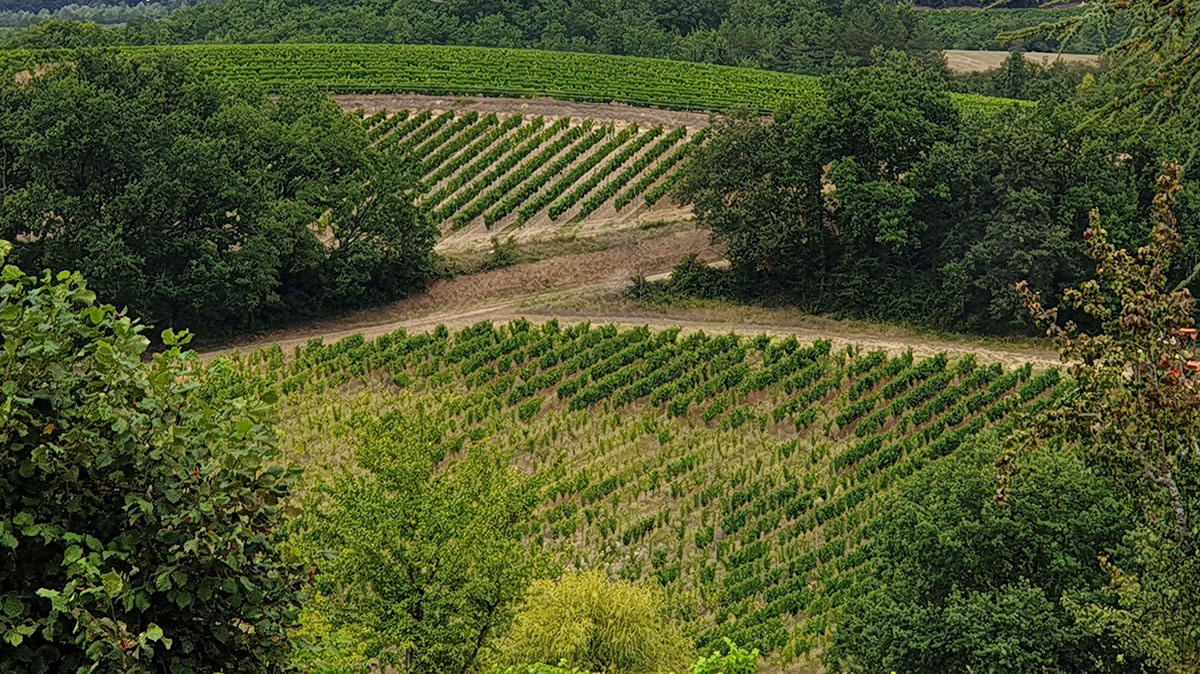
point(972, 61)
point(586, 287)
point(549, 107)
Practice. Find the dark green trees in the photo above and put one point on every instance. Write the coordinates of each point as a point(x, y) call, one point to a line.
point(139, 509)
point(197, 207)
point(887, 204)
point(968, 586)
point(1136, 415)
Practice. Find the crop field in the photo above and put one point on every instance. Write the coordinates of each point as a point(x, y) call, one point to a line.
point(743, 474)
point(436, 69)
point(504, 171)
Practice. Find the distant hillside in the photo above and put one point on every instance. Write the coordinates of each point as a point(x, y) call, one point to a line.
point(498, 72)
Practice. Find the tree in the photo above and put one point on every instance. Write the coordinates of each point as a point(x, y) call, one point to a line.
point(1013, 76)
point(379, 239)
point(1137, 413)
point(139, 505)
point(196, 206)
point(420, 557)
point(873, 208)
point(591, 622)
point(968, 586)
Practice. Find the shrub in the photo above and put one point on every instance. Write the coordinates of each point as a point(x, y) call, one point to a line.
point(138, 501)
point(734, 661)
point(455, 564)
point(585, 620)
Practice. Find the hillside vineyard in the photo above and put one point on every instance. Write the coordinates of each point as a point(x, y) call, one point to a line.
point(742, 474)
point(507, 170)
point(483, 71)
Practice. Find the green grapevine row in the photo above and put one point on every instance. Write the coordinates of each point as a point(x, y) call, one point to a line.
point(520, 174)
point(643, 184)
point(664, 457)
point(529, 188)
point(610, 189)
point(471, 71)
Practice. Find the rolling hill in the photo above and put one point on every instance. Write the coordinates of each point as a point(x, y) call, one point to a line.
point(481, 71)
point(743, 474)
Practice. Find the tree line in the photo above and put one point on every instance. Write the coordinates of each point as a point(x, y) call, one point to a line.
point(197, 206)
point(889, 204)
point(801, 36)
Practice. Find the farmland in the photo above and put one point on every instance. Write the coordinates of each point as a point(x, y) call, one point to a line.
point(503, 171)
point(743, 474)
point(367, 68)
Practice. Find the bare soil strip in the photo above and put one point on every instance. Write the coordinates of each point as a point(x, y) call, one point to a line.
point(585, 287)
point(549, 107)
point(971, 61)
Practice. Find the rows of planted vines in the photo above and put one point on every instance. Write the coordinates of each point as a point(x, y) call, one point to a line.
point(472, 71)
point(743, 474)
point(505, 171)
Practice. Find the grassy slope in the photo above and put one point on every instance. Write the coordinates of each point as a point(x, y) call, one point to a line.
point(497, 72)
point(744, 475)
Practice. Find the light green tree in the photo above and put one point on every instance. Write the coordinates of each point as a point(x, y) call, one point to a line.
point(420, 557)
point(588, 621)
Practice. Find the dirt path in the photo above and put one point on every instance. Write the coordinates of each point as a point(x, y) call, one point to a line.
point(525, 106)
point(974, 61)
point(586, 287)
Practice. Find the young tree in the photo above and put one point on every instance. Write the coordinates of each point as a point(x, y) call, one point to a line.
point(420, 557)
point(591, 622)
point(139, 506)
point(1137, 413)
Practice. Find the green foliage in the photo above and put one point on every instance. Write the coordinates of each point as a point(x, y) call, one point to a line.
point(970, 586)
point(782, 35)
point(140, 504)
point(588, 621)
point(751, 523)
point(734, 661)
point(1135, 413)
point(888, 204)
point(455, 565)
point(986, 29)
point(197, 206)
point(691, 278)
point(436, 69)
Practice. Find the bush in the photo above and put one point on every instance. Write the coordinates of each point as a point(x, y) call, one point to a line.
point(584, 620)
point(138, 502)
point(690, 279)
point(734, 661)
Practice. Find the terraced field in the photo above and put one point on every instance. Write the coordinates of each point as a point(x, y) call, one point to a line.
point(436, 69)
point(502, 172)
point(744, 474)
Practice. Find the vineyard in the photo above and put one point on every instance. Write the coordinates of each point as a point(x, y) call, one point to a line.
point(507, 171)
point(743, 474)
point(469, 71)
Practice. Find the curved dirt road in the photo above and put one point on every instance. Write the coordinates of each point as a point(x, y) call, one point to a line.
point(586, 287)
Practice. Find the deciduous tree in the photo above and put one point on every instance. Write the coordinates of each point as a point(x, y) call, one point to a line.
point(140, 507)
point(1137, 413)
